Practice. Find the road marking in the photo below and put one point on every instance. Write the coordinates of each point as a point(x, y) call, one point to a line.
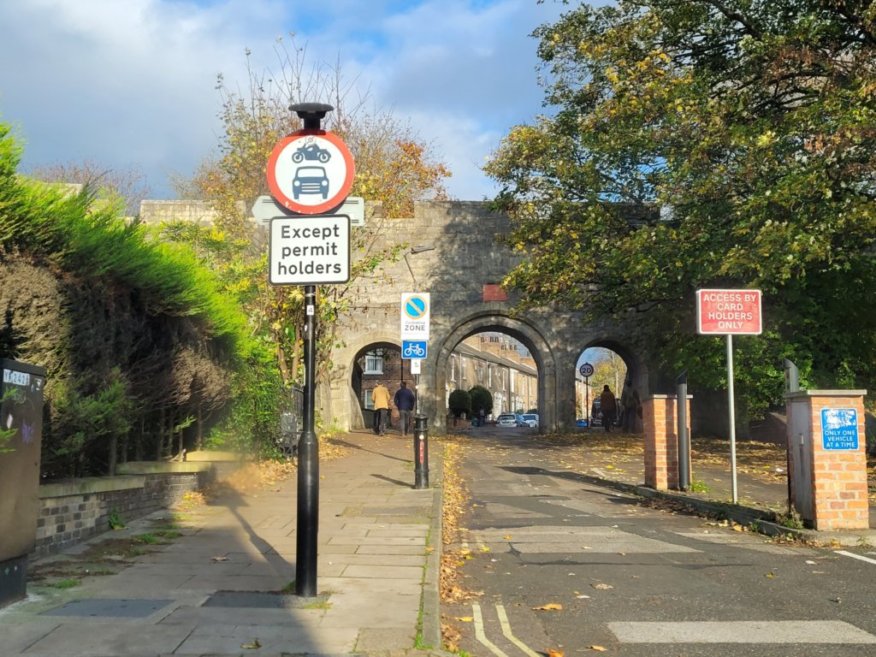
point(785, 632)
point(479, 631)
point(856, 556)
point(506, 630)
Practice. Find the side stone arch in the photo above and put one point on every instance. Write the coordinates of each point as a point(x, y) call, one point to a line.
point(345, 409)
point(433, 398)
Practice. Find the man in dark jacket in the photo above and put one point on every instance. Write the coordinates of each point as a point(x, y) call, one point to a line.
point(608, 405)
point(404, 401)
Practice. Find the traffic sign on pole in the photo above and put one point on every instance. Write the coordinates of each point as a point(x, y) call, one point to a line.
point(414, 349)
point(586, 370)
point(310, 250)
point(310, 172)
point(729, 312)
point(415, 315)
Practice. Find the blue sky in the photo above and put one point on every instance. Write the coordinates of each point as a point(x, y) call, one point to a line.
point(131, 83)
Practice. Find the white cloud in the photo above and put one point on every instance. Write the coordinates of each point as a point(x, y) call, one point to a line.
point(133, 83)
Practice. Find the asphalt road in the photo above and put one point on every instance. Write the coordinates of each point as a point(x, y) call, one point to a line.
point(557, 564)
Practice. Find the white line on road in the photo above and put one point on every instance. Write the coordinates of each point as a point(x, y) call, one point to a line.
point(785, 632)
point(479, 631)
point(506, 630)
point(856, 556)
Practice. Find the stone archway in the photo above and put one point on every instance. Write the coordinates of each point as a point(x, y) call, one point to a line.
point(636, 369)
point(516, 327)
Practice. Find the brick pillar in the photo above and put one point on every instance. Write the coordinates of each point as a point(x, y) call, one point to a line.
point(660, 420)
point(828, 460)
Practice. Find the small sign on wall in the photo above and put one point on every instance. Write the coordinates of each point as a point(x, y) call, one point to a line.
point(839, 428)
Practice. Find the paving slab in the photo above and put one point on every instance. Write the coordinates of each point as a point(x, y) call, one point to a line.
point(179, 599)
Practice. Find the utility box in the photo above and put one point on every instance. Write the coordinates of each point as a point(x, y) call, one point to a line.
point(21, 433)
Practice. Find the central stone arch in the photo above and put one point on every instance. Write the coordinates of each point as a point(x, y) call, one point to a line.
point(455, 251)
point(519, 328)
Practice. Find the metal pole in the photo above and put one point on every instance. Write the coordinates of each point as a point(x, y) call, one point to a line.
point(308, 450)
point(792, 384)
point(308, 462)
point(421, 452)
point(731, 404)
point(683, 436)
point(587, 399)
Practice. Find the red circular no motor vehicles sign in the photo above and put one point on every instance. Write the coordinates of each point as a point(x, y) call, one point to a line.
point(310, 172)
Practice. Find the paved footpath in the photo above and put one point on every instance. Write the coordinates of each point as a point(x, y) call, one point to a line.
point(217, 590)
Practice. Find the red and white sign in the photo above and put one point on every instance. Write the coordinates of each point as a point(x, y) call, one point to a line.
point(729, 312)
point(310, 172)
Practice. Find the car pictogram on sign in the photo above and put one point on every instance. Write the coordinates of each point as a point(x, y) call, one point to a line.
point(310, 180)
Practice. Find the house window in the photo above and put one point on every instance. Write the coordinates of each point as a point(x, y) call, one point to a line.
point(373, 364)
point(367, 399)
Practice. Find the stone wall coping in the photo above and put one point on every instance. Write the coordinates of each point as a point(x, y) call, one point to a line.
point(801, 394)
point(91, 485)
point(163, 467)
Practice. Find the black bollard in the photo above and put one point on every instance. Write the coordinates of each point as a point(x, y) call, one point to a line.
point(421, 452)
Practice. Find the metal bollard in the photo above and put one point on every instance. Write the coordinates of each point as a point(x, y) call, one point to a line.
point(421, 452)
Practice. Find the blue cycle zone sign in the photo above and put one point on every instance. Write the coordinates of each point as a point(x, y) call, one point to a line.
point(839, 428)
point(414, 349)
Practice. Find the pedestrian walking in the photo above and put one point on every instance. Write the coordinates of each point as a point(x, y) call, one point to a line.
point(380, 397)
point(629, 402)
point(608, 405)
point(405, 400)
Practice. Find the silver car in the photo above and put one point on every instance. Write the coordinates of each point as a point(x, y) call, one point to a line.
point(506, 420)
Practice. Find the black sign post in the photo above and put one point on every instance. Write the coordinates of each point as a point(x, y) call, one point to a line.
point(309, 172)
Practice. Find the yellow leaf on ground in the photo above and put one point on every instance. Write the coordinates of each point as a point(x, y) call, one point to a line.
point(255, 644)
point(465, 619)
point(555, 653)
point(551, 606)
point(598, 648)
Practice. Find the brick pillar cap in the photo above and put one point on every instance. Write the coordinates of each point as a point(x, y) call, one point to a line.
point(666, 397)
point(802, 394)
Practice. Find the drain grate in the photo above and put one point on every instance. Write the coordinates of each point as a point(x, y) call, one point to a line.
point(109, 607)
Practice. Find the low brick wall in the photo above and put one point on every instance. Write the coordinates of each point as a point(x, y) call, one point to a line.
point(71, 512)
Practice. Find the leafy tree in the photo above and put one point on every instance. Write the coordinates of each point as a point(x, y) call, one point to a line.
point(707, 144)
point(481, 400)
point(459, 403)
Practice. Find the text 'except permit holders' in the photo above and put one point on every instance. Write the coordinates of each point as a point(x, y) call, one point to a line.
point(310, 250)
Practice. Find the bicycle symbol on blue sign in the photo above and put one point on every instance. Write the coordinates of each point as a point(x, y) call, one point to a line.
point(414, 349)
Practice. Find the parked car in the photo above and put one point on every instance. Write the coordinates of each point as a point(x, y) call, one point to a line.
point(507, 420)
point(581, 423)
point(529, 420)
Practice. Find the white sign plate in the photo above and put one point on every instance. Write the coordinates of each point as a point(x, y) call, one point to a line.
point(265, 208)
point(415, 315)
point(415, 365)
point(310, 250)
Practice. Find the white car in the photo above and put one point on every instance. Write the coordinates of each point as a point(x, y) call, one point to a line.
point(529, 420)
point(506, 420)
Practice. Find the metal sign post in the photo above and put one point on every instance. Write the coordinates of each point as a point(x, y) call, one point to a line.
point(729, 312)
point(309, 172)
point(586, 371)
